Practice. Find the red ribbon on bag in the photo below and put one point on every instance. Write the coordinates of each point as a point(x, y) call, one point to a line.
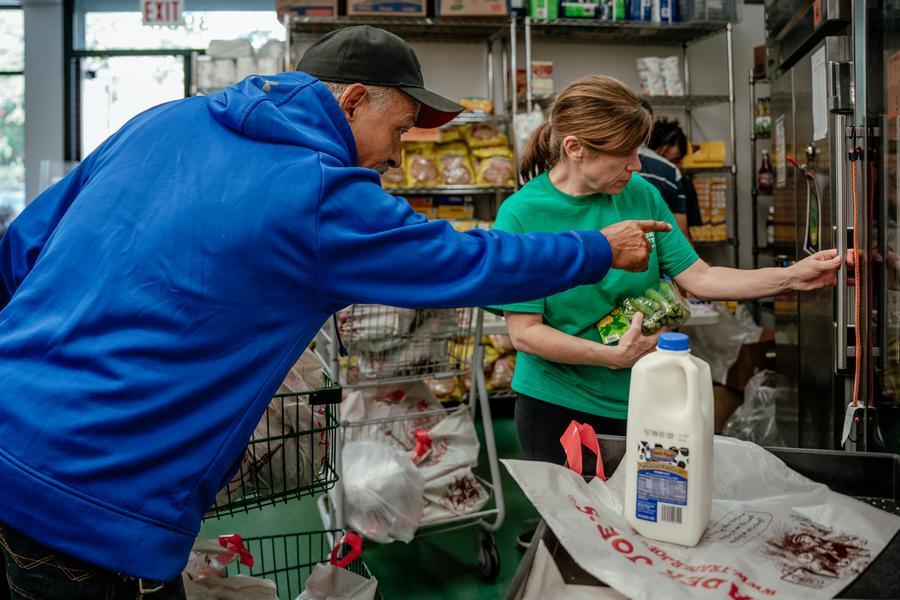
point(355, 542)
point(235, 543)
point(423, 445)
point(576, 436)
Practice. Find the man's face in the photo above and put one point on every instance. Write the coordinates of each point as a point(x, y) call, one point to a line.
point(377, 122)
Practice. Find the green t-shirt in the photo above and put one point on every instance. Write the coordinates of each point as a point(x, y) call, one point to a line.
point(540, 207)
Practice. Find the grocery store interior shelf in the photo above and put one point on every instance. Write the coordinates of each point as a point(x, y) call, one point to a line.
point(624, 32)
point(684, 101)
point(655, 101)
point(451, 190)
point(722, 169)
point(413, 29)
point(474, 29)
point(472, 117)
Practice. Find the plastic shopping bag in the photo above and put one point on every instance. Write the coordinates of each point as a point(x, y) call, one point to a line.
point(334, 582)
point(383, 491)
point(445, 455)
point(720, 344)
point(204, 575)
point(392, 405)
point(236, 587)
point(772, 533)
point(754, 420)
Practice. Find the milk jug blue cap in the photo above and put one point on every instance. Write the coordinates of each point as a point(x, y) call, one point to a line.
point(674, 341)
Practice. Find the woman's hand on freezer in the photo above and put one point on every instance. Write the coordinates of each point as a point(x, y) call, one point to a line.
point(816, 271)
point(630, 246)
point(634, 344)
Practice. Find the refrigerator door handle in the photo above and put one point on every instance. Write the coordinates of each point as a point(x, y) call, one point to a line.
point(842, 318)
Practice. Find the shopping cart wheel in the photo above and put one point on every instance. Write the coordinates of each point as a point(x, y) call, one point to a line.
point(488, 557)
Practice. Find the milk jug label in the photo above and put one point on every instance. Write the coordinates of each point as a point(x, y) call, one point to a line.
point(662, 482)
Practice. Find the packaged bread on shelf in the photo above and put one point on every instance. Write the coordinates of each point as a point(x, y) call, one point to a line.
point(483, 135)
point(454, 164)
point(421, 167)
point(495, 166)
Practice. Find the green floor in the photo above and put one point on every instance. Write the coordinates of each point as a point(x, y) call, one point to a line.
point(434, 566)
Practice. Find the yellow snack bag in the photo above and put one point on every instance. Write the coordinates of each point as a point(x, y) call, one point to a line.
point(420, 165)
point(454, 164)
point(496, 166)
point(483, 135)
point(451, 134)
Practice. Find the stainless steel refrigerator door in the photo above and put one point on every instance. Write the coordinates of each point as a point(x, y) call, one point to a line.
point(809, 392)
point(821, 391)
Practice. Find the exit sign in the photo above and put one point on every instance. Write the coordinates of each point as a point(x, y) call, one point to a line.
point(162, 12)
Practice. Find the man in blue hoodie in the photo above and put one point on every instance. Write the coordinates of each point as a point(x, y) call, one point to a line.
point(153, 300)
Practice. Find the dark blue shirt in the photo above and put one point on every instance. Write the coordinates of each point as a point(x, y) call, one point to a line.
point(665, 177)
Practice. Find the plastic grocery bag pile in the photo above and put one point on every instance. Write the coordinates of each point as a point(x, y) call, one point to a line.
point(772, 533)
point(413, 466)
point(386, 341)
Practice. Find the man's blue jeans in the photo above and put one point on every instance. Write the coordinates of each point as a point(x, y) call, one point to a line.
point(36, 572)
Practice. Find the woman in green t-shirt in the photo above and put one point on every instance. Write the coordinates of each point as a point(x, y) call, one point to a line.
point(581, 172)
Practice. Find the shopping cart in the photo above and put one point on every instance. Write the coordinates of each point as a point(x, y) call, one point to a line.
point(387, 345)
point(289, 559)
point(290, 455)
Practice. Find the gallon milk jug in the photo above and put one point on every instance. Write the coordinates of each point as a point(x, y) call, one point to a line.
point(669, 453)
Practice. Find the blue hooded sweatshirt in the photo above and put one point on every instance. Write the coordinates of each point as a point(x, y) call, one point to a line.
point(152, 302)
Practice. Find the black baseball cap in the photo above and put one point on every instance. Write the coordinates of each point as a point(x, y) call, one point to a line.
point(368, 55)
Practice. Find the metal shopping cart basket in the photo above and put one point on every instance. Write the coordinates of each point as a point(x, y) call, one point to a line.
point(291, 453)
point(386, 345)
point(289, 559)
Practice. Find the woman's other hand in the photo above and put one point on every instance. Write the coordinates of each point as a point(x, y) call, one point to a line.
point(816, 271)
point(634, 344)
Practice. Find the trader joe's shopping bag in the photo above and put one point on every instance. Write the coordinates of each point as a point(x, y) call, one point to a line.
point(772, 534)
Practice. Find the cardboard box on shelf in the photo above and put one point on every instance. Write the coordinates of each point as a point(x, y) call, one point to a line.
point(306, 8)
point(402, 8)
point(455, 207)
point(424, 205)
point(472, 8)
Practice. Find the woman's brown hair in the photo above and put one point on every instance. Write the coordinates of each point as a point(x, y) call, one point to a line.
point(602, 112)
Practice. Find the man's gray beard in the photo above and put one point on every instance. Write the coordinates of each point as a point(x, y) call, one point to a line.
point(383, 168)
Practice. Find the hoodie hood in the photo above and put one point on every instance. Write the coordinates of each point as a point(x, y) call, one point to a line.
point(289, 108)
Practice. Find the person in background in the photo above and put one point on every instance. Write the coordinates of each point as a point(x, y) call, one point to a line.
point(153, 300)
point(664, 176)
point(581, 169)
point(669, 142)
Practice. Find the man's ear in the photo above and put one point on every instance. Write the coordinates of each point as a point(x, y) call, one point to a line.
point(572, 147)
point(352, 98)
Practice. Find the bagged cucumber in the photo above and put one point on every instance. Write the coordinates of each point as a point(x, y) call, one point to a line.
point(661, 307)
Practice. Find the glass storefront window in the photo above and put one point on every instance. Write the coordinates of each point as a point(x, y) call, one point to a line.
point(124, 30)
point(115, 89)
point(12, 115)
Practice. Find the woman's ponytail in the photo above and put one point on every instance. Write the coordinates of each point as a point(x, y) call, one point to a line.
point(538, 156)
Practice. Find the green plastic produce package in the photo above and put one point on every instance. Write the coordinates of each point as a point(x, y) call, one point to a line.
point(661, 307)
